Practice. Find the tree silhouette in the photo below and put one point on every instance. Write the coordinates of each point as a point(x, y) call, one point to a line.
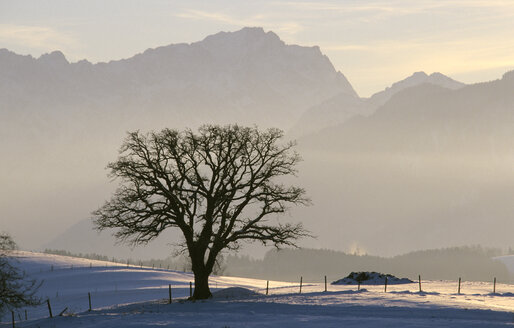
point(16, 289)
point(217, 186)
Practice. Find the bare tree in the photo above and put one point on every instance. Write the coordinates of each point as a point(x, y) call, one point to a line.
point(217, 186)
point(16, 289)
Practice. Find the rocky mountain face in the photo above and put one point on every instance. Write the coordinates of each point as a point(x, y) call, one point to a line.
point(248, 76)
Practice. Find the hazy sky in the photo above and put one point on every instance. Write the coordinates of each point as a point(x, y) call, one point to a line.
point(374, 43)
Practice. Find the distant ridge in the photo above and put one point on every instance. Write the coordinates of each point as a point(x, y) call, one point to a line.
point(415, 79)
point(344, 106)
point(431, 165)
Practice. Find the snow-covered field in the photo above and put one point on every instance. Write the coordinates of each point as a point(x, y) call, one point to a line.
point(138, 297)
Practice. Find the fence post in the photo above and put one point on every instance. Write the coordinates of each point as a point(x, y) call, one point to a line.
point(419, 279)
point(325, 283)
point(89, 297)
point(13, 326)
point(494, 286)
point(62, 312)
point(301, 281)
point(49, 308)
point(190, 289)
point(385, 286)
point(267, 286)
point(169, 289)
point(459, 287)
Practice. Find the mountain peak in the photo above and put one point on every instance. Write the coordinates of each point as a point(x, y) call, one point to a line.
point(244, 35)
point(248, 75)
point(54, 58)
point(422, 77)
point(415, 79)
point(508, 76)
point(420, 74)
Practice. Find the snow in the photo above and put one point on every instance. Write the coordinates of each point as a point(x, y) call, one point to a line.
point(138, 297)
point(234, 293)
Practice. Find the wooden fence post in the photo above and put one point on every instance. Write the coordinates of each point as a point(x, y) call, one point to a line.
point(169, 289)
point(267, 286)
point(494, 286)
point(49, 308)
point(301, 281)
point(459, 287)
point(89, 297)
point(13, 326)
point(419, 279)
point(385, 286)
point(325, 283)
point(190, 289)
point(62, 312)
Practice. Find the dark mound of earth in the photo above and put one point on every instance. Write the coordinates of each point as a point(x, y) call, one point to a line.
point(371, 278)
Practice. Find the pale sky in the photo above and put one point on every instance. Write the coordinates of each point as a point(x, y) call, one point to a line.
point(374, 43)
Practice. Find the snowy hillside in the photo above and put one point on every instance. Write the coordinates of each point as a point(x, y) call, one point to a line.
point(138, 297)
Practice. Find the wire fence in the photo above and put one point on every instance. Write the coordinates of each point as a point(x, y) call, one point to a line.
point(69, 297)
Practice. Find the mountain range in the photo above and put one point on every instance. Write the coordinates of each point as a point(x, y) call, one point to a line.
point(428, 146)
point(344, 106)
point(248, 76)
point(431, 165)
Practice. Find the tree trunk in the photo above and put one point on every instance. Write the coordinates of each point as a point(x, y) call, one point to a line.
point(201, 286)
point(202, 273)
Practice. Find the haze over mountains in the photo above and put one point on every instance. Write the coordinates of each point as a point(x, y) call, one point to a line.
point(425, 163)
point(431, 164)
point(343, 106)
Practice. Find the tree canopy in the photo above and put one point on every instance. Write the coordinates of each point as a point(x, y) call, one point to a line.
point(16, 289)
point(217, 186)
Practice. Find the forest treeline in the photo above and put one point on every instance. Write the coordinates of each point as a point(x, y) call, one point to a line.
point(472, 263)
